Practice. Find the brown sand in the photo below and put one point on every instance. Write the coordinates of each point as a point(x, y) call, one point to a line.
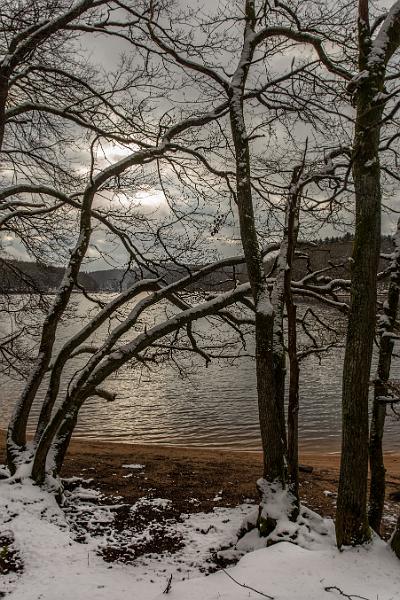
point(193, 477)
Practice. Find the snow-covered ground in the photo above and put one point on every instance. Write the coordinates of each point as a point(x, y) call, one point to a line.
point(56, 566)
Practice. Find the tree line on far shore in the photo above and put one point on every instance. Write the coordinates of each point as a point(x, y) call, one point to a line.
point(28, 276)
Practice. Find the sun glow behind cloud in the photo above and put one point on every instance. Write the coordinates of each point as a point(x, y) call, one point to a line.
point(146, 198)
point(149, 198)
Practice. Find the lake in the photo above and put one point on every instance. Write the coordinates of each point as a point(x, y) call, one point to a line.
point(212, 407)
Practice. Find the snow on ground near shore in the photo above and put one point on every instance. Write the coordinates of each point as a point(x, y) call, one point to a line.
point(57, 567)
point(287, 572)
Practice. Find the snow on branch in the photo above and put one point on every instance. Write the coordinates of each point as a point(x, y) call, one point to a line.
point(304, 38)
point(119, 357)
point(388, 38)
point(23, 43)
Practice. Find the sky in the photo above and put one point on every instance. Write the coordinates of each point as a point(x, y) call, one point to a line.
point(106, 52)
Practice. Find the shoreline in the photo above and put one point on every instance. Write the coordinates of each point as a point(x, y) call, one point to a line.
point(202, 479)
point(327, 459)
point(321, 461)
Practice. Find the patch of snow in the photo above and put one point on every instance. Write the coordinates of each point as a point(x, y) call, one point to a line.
point(56, 566)
point(85, 494)
point(157, 503)
point(264, 305)
point(134, 466)
point(77, 480)
point(275, 500)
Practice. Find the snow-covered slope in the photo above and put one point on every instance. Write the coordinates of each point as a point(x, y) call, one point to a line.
point(57, 567)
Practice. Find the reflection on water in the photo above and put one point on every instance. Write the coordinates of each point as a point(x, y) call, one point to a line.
point(214, 406)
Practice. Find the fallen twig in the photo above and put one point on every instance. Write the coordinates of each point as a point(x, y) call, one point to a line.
point(168, 588)
point(335, 588)
point(247, 587)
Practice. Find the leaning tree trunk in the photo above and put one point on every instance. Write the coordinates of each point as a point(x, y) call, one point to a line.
point(351, 520)
point(386, 343)
point(62, 441)
point(16, 435)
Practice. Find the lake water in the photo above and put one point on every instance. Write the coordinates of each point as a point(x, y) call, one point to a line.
point(213, 407)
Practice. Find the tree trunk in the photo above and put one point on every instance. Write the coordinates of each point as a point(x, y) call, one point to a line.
point(291, 233)
point(4, 84)
point(351, 520)
point(16, 436)
point(269, 366)
point(54, 445)
point(294, 376)
point(62, 441)
point(385, 328)
point(395, 541)
point(270, 410)
point(377, 486)
point(293, 404)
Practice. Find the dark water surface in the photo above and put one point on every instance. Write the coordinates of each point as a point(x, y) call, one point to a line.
point(212, 407)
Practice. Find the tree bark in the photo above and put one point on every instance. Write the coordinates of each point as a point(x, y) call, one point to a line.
point(291, 309)
point(385, 328)
point(269, 366)
point(395, 541)
point(351, 519)
point(4, 83)
point(293, 403)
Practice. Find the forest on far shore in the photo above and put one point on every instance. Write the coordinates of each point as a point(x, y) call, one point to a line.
point(23, 276)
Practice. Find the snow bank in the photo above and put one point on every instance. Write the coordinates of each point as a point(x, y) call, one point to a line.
point(287, 572)
point(56, 566)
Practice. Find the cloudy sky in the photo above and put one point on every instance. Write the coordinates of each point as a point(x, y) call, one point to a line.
point(106, 52)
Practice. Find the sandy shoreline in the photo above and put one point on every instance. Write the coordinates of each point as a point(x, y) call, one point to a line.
point(98, 448)
point(201, 479)
point(320, 460)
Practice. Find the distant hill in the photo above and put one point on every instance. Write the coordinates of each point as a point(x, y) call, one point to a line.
point(320, 254)
point(221, 279)
point(21, 276)
point(336, 251)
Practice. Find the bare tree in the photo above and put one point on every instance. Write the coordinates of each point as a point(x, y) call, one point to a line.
point(259, 25)
point(386, 325)
point(368, 88)
point(40, 56)
point(49, 97)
